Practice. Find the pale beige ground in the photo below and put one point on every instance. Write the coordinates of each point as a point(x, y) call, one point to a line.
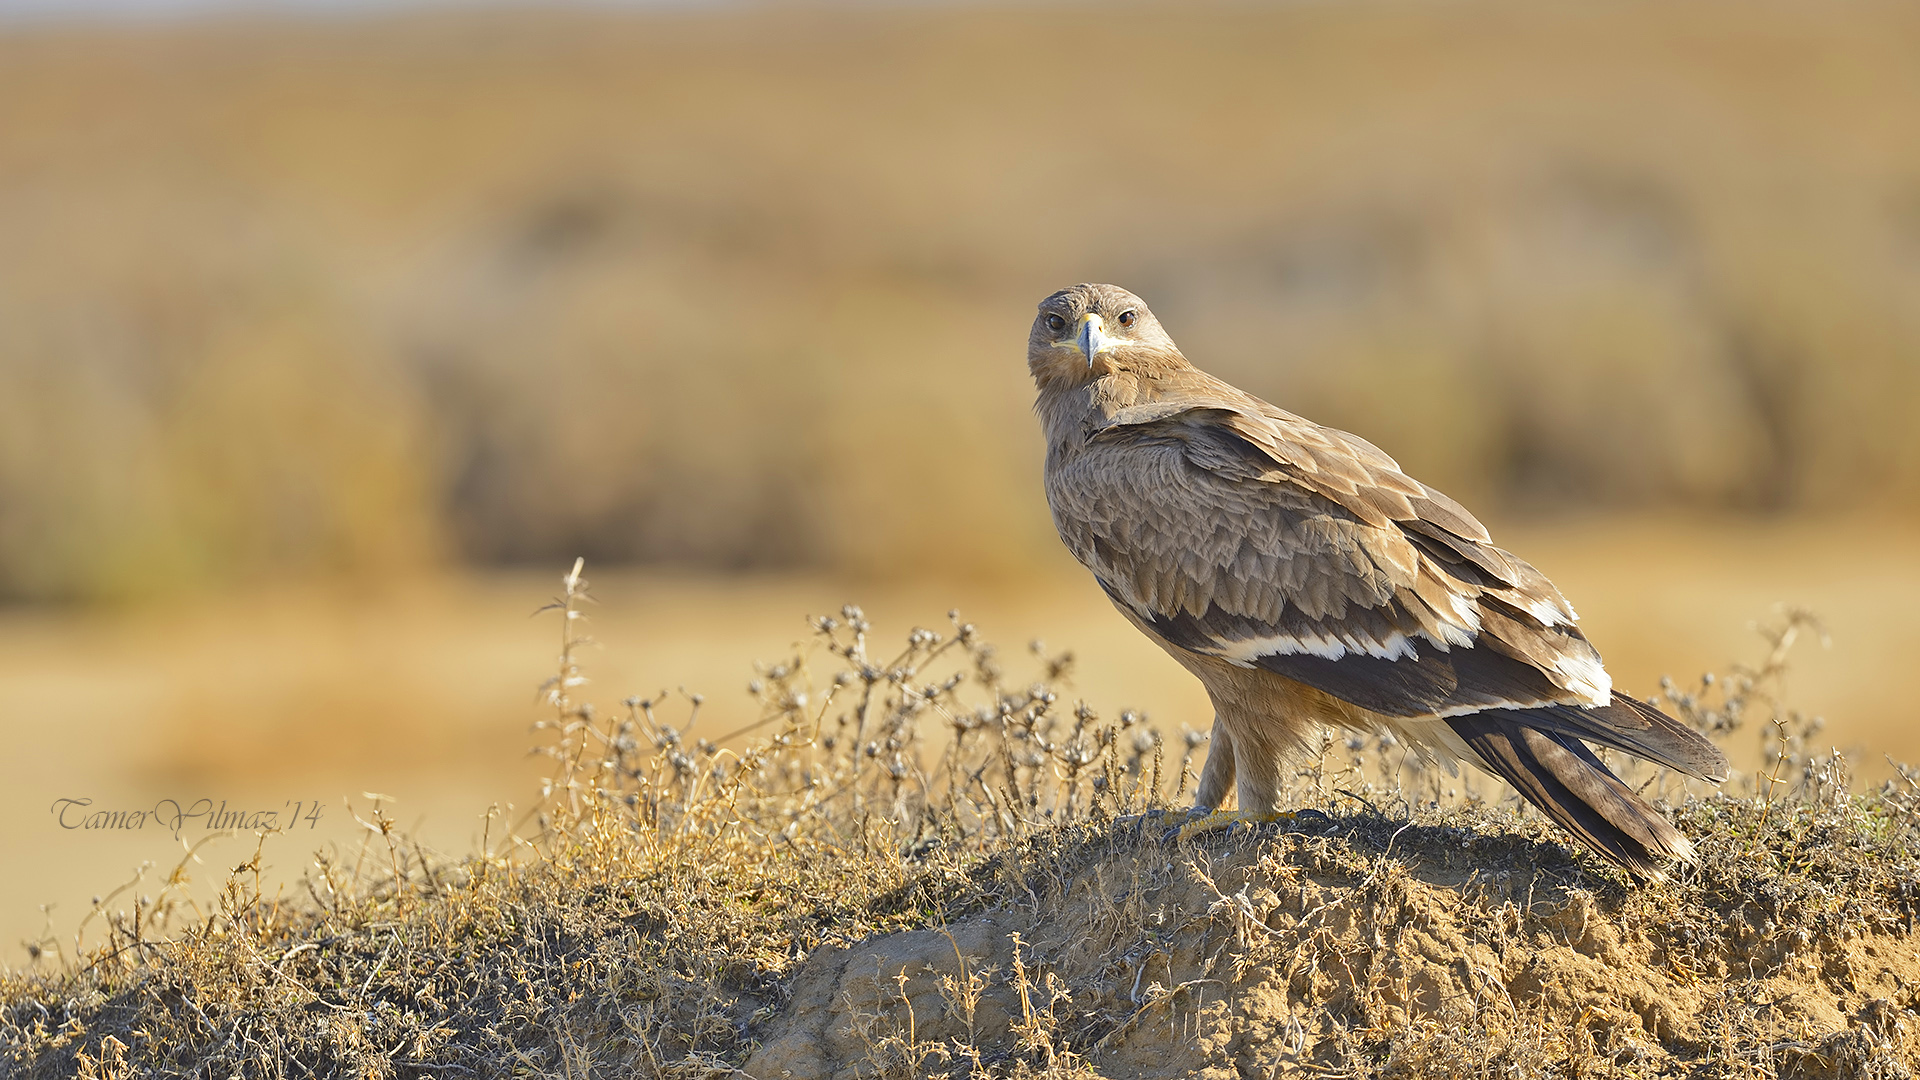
point(424, 692)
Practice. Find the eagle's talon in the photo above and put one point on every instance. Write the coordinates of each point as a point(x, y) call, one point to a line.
point(1228, 820)
point(1137, 824)
point(1134, 823)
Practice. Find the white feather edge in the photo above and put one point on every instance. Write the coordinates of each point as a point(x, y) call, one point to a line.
point(1243, 653)
point(1583, 676)
point(1544, 612)
point(1334, 646)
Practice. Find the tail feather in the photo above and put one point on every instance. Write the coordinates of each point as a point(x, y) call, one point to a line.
point(1636, 728)
point(1557, 773)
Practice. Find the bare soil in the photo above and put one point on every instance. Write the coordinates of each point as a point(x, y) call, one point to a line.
point(1313, 951)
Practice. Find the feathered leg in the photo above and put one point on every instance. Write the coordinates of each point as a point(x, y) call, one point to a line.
point(1216, 776)
point(1252, 767)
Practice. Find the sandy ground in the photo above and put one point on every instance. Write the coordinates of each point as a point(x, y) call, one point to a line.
point(424, 692)
point(1268, 957)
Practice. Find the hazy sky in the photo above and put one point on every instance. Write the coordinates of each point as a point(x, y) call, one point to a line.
point(41, 10)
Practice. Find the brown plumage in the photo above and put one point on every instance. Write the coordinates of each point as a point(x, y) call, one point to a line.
point(1307, 581)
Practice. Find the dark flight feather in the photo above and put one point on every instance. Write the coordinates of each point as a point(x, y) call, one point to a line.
point(1558, 774)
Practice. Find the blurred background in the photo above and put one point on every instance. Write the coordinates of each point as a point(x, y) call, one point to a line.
point(330, 334)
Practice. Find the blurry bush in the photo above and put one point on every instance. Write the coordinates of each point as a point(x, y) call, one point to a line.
point(751, 288)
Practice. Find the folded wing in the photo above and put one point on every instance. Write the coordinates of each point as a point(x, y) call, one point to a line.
point(1238, 531)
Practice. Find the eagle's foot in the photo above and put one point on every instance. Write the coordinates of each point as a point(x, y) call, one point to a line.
point(1138, 823)
point(1203, 823)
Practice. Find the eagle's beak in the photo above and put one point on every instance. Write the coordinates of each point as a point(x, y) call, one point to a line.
point(1092, 341)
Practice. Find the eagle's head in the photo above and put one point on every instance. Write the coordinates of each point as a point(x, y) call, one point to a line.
point(1088, 331)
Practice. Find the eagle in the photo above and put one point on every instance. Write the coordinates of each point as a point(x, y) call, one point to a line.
point(1309, 583)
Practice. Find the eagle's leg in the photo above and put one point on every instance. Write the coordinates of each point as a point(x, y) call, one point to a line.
point(1253, 769)
point(1216, 776)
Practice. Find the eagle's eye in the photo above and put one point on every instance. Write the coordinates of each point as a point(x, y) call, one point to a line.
point(1055, 323)
point(1129, 317)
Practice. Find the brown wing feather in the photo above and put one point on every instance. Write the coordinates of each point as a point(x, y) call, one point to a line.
point(1310, 540)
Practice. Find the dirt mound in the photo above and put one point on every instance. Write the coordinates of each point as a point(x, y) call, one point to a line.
point(822, 904)
point(1315, 945)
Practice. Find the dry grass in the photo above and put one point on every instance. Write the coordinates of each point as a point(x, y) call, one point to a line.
point(920, 864)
